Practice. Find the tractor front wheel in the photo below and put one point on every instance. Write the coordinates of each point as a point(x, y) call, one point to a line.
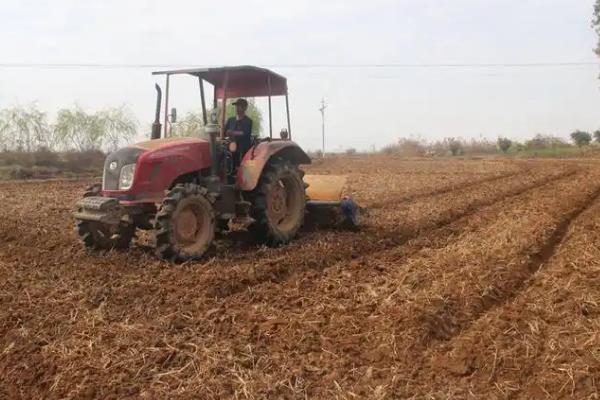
point(278, 203)
point(185, 223)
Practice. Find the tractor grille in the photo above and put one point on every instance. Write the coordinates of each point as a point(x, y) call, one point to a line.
point(124, 156)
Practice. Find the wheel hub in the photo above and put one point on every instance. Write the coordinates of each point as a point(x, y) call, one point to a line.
point(186, 225)
point(278, 203)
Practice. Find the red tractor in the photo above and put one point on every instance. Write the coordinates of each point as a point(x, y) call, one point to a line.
point(186, 189)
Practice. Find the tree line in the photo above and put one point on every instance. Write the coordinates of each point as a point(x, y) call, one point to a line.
point(28, 129)
point(415, 146)
point(578, 137)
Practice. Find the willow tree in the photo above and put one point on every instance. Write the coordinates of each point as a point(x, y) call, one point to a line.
point(106, 129)
point(118, 125)
point(24, 128)
point(191, 125)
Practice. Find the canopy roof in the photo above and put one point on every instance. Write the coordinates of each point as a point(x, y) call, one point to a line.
point(244, 80)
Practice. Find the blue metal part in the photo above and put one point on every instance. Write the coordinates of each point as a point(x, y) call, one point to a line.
point(351, 211)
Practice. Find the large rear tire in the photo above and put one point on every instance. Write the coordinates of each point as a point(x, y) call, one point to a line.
point(279, 202)
point(98, 236)
point(185, 223)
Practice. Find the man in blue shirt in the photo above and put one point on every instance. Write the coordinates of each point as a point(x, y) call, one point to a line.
point(240, 129)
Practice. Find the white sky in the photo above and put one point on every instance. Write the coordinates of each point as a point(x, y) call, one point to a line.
point(367, 106)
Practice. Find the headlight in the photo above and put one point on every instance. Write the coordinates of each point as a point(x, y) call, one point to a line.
point(126, 176)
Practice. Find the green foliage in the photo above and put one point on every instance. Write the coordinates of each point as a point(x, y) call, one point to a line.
point(189, 126)
point(542, 142)
point(76, 129)
point(192, 124)
point(24, 128)
point(556, 152)
point(516, 147)
point(504, 144)
point(118, 125)
point(581, 138)
point(454, 145)
point(597, 136)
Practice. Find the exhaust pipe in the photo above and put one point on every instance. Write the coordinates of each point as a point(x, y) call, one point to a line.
point(156, 126)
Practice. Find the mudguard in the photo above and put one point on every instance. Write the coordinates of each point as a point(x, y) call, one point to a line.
point(259, 155)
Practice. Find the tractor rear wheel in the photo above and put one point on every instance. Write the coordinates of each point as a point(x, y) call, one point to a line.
point(185, 223)
point(278, 204)
point(99, 236)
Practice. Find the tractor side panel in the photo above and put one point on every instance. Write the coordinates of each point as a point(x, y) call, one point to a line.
point(157, 169)
point(256, 158)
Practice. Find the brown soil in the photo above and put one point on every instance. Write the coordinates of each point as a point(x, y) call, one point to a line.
point(472, 279)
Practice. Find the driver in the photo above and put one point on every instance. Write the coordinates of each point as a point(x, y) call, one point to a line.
point(239, 128)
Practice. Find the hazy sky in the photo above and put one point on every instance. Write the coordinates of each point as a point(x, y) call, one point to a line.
point(367, 106)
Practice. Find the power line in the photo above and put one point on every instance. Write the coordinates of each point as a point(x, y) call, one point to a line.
point(440, 65)
point(304, 66)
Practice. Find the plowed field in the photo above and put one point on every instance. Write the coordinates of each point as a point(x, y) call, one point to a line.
point(472, 279)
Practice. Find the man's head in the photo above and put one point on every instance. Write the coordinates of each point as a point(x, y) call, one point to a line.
point(241, 105)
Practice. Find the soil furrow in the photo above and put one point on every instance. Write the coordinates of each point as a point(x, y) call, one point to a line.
point(480, 282)
point(280, 271)
point(541, 341)
point(368, 324)
point(505, 292)
point(436, 192)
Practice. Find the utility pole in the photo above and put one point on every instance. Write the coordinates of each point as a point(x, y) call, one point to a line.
point(322, 109)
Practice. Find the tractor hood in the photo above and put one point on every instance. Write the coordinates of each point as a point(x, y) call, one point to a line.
point(159, 159)
point(158, 144)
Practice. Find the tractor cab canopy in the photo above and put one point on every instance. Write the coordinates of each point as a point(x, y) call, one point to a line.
point(235, 81)
point(238, 81)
